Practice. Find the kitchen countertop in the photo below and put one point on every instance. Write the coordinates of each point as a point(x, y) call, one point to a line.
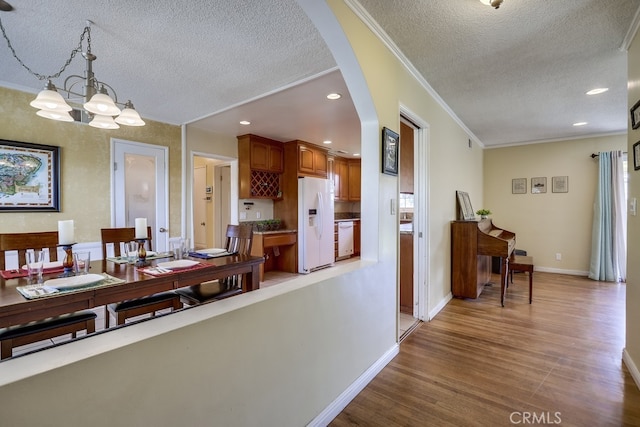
point(346, 219)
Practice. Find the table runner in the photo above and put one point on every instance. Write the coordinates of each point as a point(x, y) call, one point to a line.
point(40, 290)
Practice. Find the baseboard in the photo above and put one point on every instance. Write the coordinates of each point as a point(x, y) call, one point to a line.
point(633, 369)
point(561, 271)
point(341, 402)
point(440, 306)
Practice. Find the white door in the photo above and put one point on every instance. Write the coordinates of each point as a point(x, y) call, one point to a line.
point(200, 196)
point(140, 188)
point(222, 206)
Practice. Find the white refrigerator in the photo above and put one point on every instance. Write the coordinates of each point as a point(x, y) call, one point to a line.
point(315, 224)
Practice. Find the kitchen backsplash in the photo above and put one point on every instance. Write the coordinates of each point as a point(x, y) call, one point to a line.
point(346, 215)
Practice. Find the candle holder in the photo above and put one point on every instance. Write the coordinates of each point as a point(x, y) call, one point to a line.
point(67, 262)
point(142, 254)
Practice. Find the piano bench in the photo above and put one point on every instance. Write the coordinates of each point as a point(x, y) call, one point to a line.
point(522, 263)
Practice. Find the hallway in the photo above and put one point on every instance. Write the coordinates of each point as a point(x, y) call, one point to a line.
point(557, 361)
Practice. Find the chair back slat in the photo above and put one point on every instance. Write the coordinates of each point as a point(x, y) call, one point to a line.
point(239, 240)
point(120, 235)
point(22, 242)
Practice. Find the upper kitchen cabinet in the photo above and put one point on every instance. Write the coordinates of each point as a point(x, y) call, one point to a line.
point(353, 167)
point(260, 167)
point(346, 178)
point(406, 158)
point(311, 160)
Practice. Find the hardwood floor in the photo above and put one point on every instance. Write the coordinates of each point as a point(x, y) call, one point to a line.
point(557, 361)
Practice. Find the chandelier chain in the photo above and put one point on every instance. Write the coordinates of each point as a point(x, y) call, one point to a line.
point(87, 32)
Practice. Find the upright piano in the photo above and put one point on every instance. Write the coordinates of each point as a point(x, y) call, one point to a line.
point(473, 243)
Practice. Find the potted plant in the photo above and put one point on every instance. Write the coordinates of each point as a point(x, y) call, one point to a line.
point(483, 213)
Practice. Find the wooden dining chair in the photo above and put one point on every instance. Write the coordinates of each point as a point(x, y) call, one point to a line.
point(71, 323)
point(134, 307)
point(238, 240)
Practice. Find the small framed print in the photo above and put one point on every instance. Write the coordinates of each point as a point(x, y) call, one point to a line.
point(635, 116)
point(519, 186)
point(560, 184)
point(636, 156)
point(390, 147)
point(539, 185)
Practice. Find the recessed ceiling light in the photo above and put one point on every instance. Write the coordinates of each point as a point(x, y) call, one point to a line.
point(597, 91)
point(245, 122)
point(326, 142)
point(356, 154)
point(580, 123)
point(334, 96)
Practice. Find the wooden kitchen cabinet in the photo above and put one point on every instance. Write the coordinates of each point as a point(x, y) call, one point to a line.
point(356, 238)
point(279, 248)
point(353, 166)
point(260, 167)
point(311, 160)
point(341, 179)
point(406, 273)
point(267, 157)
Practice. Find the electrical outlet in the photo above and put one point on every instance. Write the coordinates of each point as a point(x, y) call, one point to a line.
point(633, 206)
point(258, 215)
point(558, 257)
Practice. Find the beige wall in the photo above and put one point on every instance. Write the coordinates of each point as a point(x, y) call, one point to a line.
point(85, 175)
point(245, 360)
point(632, 345)
point(548, 223)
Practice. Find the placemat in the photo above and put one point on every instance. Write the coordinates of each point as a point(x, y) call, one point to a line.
point(41, 291)
point(12, 274)
point(208, 256)
point(156, 271)
point(124, 260)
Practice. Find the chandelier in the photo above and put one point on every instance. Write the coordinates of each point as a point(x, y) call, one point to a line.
point(98, 105)
point(493, 3)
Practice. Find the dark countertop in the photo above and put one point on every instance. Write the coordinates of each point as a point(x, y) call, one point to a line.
point(275, 232)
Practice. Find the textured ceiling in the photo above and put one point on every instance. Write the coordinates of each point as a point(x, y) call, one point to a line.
point(516, 74)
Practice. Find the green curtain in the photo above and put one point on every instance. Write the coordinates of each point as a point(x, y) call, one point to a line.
point(608, 239)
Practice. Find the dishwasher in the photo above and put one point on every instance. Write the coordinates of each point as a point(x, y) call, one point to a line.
point(345, 239)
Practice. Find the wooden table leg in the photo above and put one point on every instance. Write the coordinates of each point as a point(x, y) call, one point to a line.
point(504, 276)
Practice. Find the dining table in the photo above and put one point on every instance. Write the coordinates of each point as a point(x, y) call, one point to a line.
point(130, 282)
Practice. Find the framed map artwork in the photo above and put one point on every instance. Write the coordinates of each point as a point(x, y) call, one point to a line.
point(29, 177)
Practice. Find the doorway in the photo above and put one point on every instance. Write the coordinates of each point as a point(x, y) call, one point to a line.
point(140, 188)
point(413, 291)
point(211, 201)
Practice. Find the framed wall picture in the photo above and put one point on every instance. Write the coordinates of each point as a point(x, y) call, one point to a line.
point(636, 156)
point(539, 185)
point(519, 186)
point(29, 177)
point(390, 154)
point(465, 211)
point(560, 184)
point(635, 115)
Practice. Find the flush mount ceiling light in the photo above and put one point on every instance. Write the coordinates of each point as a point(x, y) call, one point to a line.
point(334, 96)
point(245, 122)
point(597, 91)
point(99, 106)
point(493, 3)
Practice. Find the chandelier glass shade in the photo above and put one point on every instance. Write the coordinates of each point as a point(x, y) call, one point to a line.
point(99, 106)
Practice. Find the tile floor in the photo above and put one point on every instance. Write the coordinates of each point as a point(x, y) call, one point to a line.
point(406, 325)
